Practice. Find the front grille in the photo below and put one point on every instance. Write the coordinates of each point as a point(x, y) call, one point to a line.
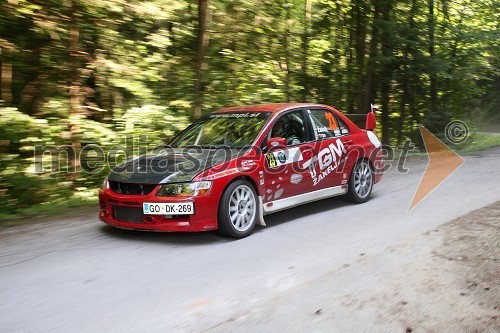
point(128, 214)
point(131, 189)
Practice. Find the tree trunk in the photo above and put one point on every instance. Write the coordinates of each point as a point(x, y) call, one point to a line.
point(432, 55)
point(203, 38)
point(287, 50)
point(386, 76)
point(368, 92)
point(404, 97)
point(412, 78)
point(350, 64)
point(337, 90)
point(6, 80)
point(360, 54)
point(73, 49)
point(305, 49)
point(74, 91)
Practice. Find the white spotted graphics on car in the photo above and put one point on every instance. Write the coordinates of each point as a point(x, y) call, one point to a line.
point(296, 178)
point(278, 193)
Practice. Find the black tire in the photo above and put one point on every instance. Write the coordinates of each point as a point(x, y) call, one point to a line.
point(238, 209)
point(360, 182)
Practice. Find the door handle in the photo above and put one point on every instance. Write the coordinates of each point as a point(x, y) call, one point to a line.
point(307, 151)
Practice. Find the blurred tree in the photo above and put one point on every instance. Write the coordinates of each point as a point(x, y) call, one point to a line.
point(202, 42)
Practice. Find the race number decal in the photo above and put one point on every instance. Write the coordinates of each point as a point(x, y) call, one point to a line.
point(271, 160)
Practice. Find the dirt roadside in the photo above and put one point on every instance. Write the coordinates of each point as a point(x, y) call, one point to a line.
point(455, 286)
point(445, 280)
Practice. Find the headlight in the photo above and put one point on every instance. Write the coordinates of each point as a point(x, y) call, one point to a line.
point(185, 189)
point(105, 183)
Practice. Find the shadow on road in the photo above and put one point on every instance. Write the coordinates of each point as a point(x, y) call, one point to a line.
point(173, 238)
point(211, 237)
point(304, 211)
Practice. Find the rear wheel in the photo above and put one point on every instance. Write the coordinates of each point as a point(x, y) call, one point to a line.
point(361, 182)
point(237, 209)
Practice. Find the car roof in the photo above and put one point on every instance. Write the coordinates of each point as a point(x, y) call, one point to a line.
point(272, 107)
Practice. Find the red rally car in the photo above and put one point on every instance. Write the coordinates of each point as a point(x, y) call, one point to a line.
point(229, 169)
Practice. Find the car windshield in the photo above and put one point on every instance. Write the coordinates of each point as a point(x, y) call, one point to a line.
point(233, 130)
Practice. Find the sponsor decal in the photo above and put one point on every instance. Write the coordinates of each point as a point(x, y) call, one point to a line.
point(282, 157)
point(247, 164)
point(222, 174)
point(328, 160)
point(234, 115)
point(321, 129)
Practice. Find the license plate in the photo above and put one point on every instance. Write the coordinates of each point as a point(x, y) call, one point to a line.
point(180, 208)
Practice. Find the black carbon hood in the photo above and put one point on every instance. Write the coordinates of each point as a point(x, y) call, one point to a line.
point(172, 166)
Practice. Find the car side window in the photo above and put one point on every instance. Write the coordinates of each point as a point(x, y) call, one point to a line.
point(292, 127)
point(343, 127)
point(324, 124)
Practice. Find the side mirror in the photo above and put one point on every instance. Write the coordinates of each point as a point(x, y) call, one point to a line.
point(371, 122)
point(276, 142)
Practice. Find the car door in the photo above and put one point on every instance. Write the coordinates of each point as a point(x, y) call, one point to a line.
point(328, 166)
point(284, 174)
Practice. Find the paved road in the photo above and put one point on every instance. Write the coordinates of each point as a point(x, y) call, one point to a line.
point(78, 275)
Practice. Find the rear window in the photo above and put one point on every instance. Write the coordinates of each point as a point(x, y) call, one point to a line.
point(325, 124)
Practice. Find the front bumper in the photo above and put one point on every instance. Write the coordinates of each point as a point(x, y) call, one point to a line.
point(125, 212)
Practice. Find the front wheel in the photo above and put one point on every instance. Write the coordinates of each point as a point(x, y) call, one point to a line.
point(237, 209)
point(361, 182)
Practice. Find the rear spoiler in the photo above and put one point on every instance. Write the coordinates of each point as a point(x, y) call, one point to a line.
point(371, 121)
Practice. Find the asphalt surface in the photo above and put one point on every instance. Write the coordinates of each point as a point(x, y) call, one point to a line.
point(78, 275)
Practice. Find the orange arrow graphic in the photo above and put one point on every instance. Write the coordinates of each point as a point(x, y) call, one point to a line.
point(442, 162)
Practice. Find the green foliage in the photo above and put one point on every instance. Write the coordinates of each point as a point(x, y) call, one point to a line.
point(70, 205)
point(36, 153)
point(19, 186)
point(16, 126)
point(156, 122)
point(478, 141)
